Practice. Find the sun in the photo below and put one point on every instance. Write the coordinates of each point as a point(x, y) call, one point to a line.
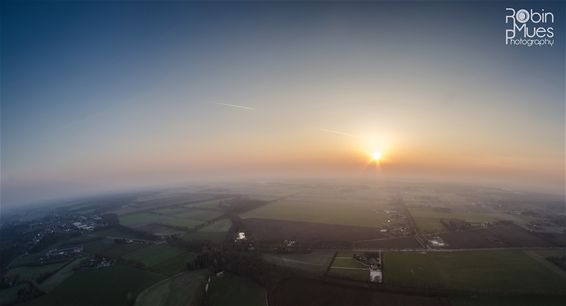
point(376, 156)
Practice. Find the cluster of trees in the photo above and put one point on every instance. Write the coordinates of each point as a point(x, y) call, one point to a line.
point(246, 264)
point(26, 292)
point(455, 224)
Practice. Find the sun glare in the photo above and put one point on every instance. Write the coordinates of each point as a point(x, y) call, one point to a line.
point(376, 156)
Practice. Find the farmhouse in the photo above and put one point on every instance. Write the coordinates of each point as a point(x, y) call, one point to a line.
point(374, 263)
point(437, 242)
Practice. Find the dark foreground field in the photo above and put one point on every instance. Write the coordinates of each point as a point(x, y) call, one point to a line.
point(296, 292)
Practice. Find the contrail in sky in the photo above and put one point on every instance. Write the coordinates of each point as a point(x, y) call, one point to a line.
point(237, 106)
point(339, 133)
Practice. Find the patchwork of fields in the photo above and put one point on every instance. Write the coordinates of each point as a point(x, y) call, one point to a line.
point(116, 285)
point(189, 218)
point(318, 221)
point(196, 221)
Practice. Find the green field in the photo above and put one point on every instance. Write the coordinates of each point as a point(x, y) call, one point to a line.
point(550, 253)
point(349, 273)
point(116, 285)
point(476, 271)
point(169, 210)
point(346, 260)
point(174, 264)
point(428, 218)
point(63, 274)
point(215, 232)
point(153, 254)
point(33, 272)
point(162, 258)
point(355, 214)
point(187, 218)
point(188, 213)
point(107, 247)
point(8, 295)
point(235, 291)
point(115, 232)
point(222, 225)
point(145, 218)
point(185, 289)
point(345, 266)
point(316, 262)
point(212, 204)
point(519, 300)
point(347, 263)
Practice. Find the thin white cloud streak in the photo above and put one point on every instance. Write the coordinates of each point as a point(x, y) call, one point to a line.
point(237, 106)
point(339, 133)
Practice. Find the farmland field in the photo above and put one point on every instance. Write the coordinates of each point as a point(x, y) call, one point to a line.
point(196, 215)
point(345, 262)
point(175, 264)
point(428, 218)
point(356, 274)
point(8, 295)
point(356, 214)
point(211, 204)
point(185, 289)
point(345, 266)
point(522, 300)
point(476, 271)
point(109, 248)
point(188, 218)
point(116, 285)
point(236, 291)
point(154, 254)
point(501, 235)
point(316, 262)
point(116, 233)
point(162, 199)
point(62, 275)
point(292, 292)
point(145, 218)
point(277, 230)
point(32, 272)
point(218, 226)
point(215, 232)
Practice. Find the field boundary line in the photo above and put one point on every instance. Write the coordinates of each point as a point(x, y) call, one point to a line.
point(330, 264)
point(543, 261)
point(348, 268)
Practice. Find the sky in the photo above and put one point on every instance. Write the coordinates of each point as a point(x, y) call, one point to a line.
point(99, 96)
